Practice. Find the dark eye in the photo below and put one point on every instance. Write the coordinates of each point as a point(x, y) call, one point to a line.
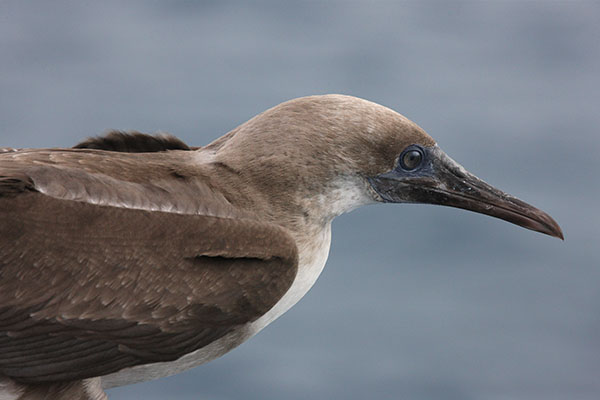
point(411, 158)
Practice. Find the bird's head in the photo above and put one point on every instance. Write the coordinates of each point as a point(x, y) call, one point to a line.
point(320, 156)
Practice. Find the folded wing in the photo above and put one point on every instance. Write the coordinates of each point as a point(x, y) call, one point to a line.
point(88, 289)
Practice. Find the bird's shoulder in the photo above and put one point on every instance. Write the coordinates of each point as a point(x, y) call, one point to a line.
point(169, 180)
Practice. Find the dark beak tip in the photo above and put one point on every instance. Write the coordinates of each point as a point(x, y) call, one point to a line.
point(551, 227)
point(557, 232)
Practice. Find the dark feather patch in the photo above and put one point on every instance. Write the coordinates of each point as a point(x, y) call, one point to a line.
point(11, 186)
point(133, 142)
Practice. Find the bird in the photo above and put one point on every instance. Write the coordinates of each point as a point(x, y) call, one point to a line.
point(131, 257)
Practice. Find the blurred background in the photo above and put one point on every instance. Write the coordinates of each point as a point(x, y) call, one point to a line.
point(416, 302)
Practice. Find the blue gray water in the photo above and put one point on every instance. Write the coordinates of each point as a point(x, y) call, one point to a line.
point(416, 302)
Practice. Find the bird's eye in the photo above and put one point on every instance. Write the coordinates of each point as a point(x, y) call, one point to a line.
point(411, 158)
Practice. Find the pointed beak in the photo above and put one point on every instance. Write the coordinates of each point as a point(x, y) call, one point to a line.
point(441, 180)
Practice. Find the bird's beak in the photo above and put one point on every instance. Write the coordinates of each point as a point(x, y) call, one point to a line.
point(441, 180)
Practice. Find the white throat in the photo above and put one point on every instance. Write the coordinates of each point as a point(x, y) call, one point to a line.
point(342, 196)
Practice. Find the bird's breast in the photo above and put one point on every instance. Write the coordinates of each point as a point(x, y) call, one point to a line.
point(313, 250)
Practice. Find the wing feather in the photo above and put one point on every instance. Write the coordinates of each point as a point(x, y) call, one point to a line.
point(87, 289)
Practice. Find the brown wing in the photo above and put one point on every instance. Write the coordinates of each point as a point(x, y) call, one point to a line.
point(87, 290)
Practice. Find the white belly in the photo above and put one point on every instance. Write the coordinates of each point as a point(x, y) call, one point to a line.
point(313, 254)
